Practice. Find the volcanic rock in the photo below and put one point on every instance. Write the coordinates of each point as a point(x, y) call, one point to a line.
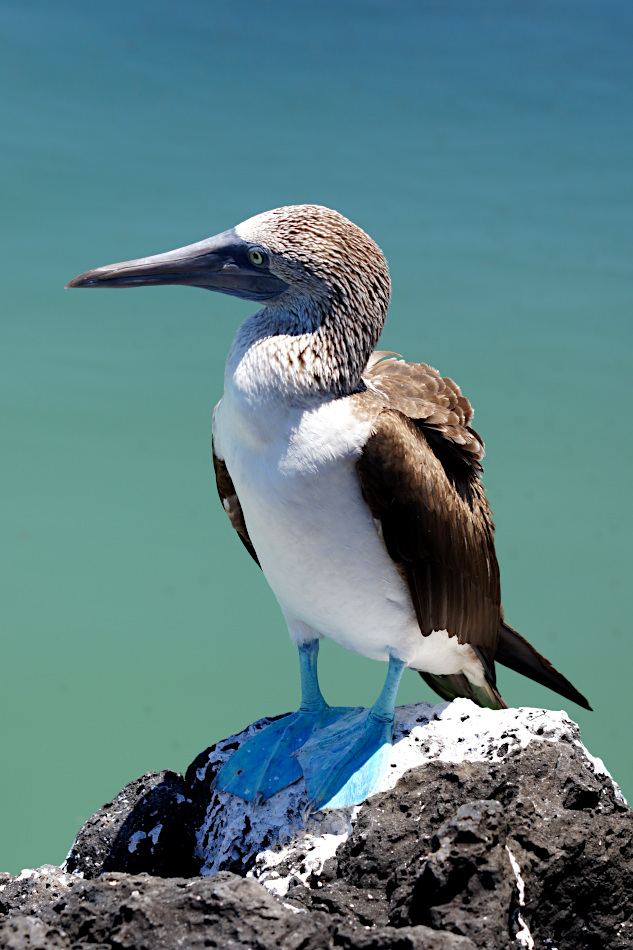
point(493, 829)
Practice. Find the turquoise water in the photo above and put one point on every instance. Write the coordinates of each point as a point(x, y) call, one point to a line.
point(488, 148)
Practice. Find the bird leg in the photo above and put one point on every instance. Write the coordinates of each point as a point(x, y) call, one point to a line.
point(344, 762)
point(265, 763)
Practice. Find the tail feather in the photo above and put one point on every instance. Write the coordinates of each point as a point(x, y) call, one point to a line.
point(517, 654)
point(451, 685)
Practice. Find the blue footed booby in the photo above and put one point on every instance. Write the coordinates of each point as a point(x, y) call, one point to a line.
point(353, 480)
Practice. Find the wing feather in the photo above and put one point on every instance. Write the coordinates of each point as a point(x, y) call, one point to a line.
point(231, 503)
point(419, 475)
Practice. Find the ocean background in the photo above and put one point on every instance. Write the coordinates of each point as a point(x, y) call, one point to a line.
point(488, 148)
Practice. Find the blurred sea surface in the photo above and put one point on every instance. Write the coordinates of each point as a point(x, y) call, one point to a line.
point(488, 148)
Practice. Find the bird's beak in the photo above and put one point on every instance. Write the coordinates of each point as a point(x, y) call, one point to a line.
point(220, 263)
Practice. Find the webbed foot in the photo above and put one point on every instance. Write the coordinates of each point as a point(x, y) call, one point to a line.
point(266, 762)
point(345, 762)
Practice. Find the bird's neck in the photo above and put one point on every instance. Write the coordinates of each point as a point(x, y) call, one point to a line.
point(297, 357)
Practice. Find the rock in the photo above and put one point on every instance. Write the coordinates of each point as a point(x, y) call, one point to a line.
point(152, 913)
point(145, 828)
point(145, 911)
point(33, 892)
point(19, 933)
point(492, 830)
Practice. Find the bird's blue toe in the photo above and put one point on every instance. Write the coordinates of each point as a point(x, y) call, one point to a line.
point(345, 762)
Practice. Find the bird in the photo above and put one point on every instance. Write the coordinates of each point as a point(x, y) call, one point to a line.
point(353, 479)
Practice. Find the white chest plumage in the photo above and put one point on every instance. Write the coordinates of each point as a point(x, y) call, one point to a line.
point(314, 536)
point(294, 471)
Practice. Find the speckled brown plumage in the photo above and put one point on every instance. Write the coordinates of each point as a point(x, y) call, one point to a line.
point(339, 292)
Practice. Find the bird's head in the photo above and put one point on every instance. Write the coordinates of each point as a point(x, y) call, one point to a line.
point(305, 261)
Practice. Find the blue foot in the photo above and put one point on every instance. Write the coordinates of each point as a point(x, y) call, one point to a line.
point(345, 762)
point(265, 763)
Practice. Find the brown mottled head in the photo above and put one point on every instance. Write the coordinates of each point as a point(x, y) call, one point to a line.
point(321, 254)
point(337, 276)
point(315, 270)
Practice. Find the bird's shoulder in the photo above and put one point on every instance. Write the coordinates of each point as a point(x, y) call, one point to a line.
point(434, 403)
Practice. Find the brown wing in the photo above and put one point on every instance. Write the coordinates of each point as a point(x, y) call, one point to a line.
point(231, 503)
point(420, 477)
point(434, 401)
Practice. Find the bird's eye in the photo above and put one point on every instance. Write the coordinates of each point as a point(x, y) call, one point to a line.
point(256, 257)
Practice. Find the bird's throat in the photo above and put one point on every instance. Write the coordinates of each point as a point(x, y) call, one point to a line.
point(310, 362)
